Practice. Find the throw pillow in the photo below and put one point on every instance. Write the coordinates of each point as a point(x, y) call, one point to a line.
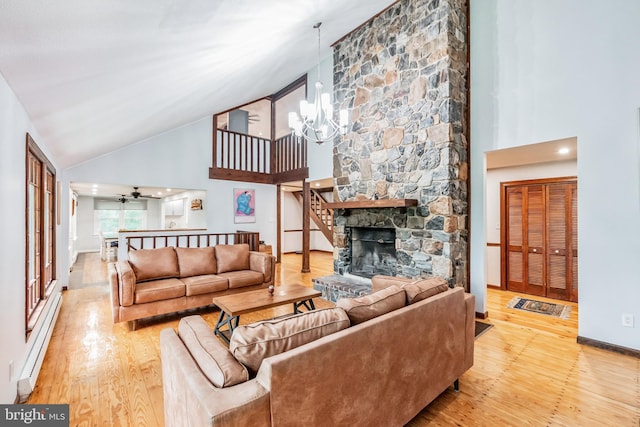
point(232, 257)
point(373, 305)
point(151, 264)
point(196, 261)
point(425, 288)
point(213, 358)
point(252, 343)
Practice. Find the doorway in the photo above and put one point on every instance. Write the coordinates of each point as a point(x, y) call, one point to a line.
point(539, 229)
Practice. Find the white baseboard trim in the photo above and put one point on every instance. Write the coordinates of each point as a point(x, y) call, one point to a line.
point(33, 363)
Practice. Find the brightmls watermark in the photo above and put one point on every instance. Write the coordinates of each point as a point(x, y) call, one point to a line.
point(34, 415)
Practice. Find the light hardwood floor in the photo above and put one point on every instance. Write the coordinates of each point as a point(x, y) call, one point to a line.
point(528, 368)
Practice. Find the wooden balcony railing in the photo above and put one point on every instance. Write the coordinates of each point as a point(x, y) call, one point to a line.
point(241, 157)
point(190, 240)
point(291, 154)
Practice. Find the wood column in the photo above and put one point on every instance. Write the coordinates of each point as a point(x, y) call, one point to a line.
point(278, 223)
point(214, 143)
point(272, 144)
point(306, 205)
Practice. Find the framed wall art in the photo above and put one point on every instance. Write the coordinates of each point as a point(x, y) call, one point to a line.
point(244, 205)
point(196, 204)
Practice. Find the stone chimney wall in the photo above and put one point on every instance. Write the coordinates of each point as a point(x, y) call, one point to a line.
point(403, 76)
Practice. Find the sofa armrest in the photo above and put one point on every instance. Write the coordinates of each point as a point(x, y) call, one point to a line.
point(126, 283)
point(263, 263)
point(114, 291)
point(379, 282)
point(191, 400)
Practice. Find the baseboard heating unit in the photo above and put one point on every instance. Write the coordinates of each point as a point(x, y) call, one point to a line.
point(34, 360)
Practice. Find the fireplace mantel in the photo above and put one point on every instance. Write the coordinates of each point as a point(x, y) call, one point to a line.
point(364, 204)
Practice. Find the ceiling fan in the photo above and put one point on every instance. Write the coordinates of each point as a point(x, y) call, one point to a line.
point(136, 194)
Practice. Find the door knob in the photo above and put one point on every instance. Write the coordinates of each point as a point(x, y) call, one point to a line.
point(557, 251)
point(535, 250)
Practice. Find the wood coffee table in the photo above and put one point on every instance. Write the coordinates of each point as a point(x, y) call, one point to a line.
point(232, 306)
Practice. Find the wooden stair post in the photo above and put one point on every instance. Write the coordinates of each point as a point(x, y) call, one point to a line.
point(306, 196)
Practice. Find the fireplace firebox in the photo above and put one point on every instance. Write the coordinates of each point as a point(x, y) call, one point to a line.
point(373, 251)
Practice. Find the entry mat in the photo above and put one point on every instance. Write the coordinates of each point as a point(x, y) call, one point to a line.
point(550, 309)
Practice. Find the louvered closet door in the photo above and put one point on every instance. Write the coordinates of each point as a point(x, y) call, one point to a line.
point(562, 241)
point(540, 256)
point(535, 242)
point(514, 237)
point(574, 243)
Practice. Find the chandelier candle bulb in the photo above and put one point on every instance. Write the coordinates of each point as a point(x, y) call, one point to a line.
point(304, 109)
point(344, 120)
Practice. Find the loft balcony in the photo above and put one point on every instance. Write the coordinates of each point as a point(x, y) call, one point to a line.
point(253, 142)
point(242, 157)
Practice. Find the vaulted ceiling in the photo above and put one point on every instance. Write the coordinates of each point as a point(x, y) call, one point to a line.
point(97, 75)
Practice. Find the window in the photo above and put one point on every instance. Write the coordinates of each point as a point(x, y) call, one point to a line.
point(109, 216)
point(40, 231)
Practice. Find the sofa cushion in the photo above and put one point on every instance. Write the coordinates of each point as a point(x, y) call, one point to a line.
point(158, 290)
point(373, 305)
point(239, 279)
point(213, 358)
point(425, 288)
point(232, 257)
point(252, 343)
point(196, 261)
point(151, 264)
point(198, 285)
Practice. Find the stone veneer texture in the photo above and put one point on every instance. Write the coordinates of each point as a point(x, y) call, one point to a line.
point(403, 76)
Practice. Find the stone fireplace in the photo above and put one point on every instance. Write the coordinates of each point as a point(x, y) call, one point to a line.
point(403, 76)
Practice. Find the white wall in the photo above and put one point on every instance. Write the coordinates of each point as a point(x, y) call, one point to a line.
point(543, 70)
point(86, 240)
point(72, 237)
point(154, 214)
point(14, 124)
point(179, 158)
point(492, 197)
point(320, 156)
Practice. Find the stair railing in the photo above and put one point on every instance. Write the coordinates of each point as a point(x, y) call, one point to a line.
point(325, 214)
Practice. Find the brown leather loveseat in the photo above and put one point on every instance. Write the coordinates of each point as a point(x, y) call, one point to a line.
point(167, 280)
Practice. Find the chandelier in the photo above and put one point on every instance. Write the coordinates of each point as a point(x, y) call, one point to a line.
point(315, 122)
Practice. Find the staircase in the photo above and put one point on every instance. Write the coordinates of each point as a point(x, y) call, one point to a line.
point(321, 216)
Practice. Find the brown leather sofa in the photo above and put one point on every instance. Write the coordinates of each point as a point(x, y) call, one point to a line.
point(381, 370)
point(167, 280)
